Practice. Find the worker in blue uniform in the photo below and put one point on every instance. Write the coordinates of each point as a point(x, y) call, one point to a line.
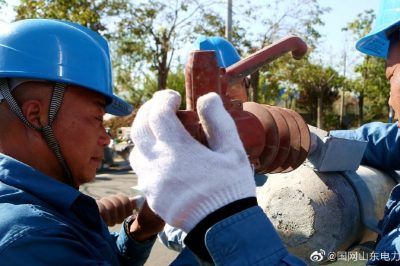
point(55, 87)
point(383, 149)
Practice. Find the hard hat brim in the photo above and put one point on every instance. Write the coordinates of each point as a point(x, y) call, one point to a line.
point(118, 107)
point(376, 43)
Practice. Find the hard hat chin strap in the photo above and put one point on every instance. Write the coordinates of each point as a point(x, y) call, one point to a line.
point(47, 131)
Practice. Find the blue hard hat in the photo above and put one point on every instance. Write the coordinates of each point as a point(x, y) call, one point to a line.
point(226, 54)
point(59, 51)
point(376, 43)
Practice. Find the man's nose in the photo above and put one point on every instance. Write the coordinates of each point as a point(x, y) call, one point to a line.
point(105, 138)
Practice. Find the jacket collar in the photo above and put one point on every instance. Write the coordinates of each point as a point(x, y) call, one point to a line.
point(26, 178)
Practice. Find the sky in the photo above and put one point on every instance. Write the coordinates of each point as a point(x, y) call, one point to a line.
point(333, 42)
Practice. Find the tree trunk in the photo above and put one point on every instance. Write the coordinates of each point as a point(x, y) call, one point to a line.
point(320, 121)
point(163, 63)
point(162, 79)
point(361, 108)
point(342, 109)
point(253, 91)
point(361, 97)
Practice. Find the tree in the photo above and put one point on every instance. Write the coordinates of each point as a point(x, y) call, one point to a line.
point(372, 88)
point(372, 83)
point(139, 33)
point(4, 16)
point(92, 14)
point(87, 13)
point(153, 30)
point(176, 81)
point(314, 86)
point(148, 86)
point(317, 86)
point(318, 89)
point(3, 4)
point(300, 17)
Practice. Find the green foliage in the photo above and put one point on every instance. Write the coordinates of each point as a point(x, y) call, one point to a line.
point(145, 35)
point(284, 17)
point(371, 86)
point(86, 13)
point(92, 14)
point(125, 82)
point(176, 81)
point(309, 80)
point(149, 87)
point(268, 91)
point(374, 87)
point(280, 18)
point(316, 81)
point(152, 31)
point(213, 24)
point(331, 121)
point(361, 26)
point(146, 86)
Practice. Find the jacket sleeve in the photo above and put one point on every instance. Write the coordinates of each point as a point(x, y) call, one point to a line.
point(51, 246)
point(247, 238)
point(387, 251)
point(383, 144)
point(131, 252)
point(172, 238)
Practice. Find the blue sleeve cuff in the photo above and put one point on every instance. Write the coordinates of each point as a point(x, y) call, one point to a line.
point(383, 141)
point(133, 252)
point(172, 238)
point(247, 238)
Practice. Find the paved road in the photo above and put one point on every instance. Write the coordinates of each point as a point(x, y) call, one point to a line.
point(117, 180)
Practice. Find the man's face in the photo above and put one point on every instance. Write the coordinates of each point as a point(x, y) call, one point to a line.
point(80, 132)
point(393, 75)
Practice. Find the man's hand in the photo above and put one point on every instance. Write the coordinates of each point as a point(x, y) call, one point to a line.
point(182, 179)
point(115, 208)
point(146, 225)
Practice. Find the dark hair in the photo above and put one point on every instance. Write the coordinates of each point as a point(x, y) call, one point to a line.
point(393, 33)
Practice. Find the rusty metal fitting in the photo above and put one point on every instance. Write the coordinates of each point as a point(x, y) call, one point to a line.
point(275, 139)
point(287, 138)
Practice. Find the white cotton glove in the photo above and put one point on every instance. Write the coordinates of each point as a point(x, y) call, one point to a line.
point(183, 180)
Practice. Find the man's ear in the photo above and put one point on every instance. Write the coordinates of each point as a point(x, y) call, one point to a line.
point(35, 112)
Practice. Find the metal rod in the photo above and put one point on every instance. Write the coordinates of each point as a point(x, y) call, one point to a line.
point(228, 26)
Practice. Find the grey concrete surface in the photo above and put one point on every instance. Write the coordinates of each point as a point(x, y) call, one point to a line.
point(120, 179)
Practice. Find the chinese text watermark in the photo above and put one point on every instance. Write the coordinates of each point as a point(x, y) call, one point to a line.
point(321, 255)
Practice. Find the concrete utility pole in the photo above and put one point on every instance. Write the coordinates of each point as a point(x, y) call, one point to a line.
point(228, 27)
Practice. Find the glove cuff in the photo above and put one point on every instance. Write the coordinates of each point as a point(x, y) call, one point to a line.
point(210, 202)
point(195, 238)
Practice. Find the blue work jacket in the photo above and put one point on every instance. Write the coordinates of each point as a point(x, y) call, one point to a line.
point(245, 238)
point(383, 144)
point(45, 222)
point(383, 151)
